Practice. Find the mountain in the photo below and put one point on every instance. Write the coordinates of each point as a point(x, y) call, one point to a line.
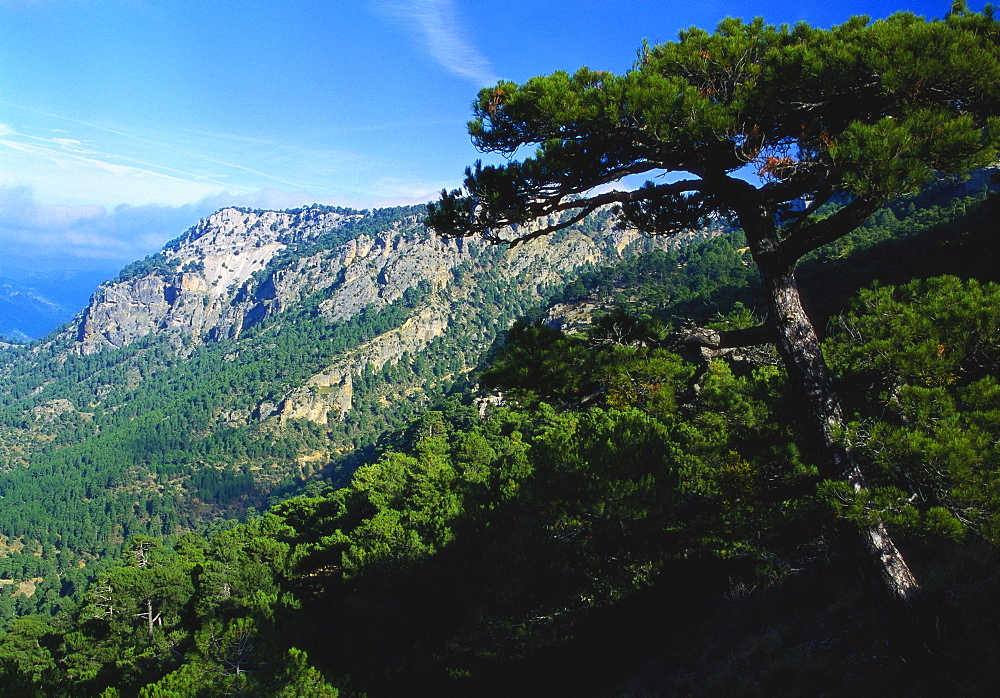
point(25, 313)
point(33, 304)
point(479, 551)
point(255, 351)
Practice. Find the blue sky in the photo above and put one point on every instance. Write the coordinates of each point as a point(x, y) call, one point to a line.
point(124, 121)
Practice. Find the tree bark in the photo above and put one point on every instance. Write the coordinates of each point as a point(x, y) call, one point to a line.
point(799, 346)
point(880, 561)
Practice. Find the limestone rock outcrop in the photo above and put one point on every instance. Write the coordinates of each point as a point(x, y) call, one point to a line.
point(237, 268)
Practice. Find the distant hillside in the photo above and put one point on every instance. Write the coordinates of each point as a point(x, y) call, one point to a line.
point(25, 314)
point(36, 303)
point(254, 352)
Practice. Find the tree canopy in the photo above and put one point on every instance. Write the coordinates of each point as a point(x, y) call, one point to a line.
point(795, 134)
point(859, 113)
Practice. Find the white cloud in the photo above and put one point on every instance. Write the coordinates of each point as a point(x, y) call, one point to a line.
point(34, 233)
point(60, 169)
point(72, 145)
point(438, 27)
point(42, 236)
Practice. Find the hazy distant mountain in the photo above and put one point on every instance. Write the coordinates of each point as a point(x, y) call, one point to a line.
point(34, 304)
point(24, 313)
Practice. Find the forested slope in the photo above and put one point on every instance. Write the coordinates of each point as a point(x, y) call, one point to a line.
point(672, 478)
point(254, 353)
point(622, 491)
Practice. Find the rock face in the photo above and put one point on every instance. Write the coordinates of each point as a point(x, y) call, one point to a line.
point(331, 390)
point(220, 278)
point(238, 268)
point(197, 291)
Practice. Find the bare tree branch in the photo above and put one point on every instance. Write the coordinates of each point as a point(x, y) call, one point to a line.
point(725, 339)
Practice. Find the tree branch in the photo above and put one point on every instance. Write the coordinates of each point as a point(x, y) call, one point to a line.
point(703, 337)
point(809, 237)
point(556, 192)
point(491, 232)
point(576, 218)
point(779, 192)
point(801, 216)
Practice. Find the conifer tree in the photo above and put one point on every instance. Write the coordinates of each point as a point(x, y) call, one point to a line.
point(796, 134)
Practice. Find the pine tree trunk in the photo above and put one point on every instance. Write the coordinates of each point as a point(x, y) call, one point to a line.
point(881, 562)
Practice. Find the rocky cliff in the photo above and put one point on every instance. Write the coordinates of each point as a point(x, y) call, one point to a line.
point(199, 284)
point(233, 270)
point(194, 384)
point(239, 268)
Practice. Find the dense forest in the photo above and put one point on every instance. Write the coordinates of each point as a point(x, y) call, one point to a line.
point(174, 433)
point(621, 487)
point(739, 434)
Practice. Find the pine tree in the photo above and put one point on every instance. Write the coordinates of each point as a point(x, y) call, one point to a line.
point(796, 134)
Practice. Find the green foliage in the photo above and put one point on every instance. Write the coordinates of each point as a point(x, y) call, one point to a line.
point(615, 468)
point(937, 332)
point(599, 501)
point(468, 544)
point(540, 363)
point(25, 648)
point(859, 113)
point(695, 282)
point(162, 428)
point(614, 494)
point(927, 352)
point(165, 423)
point(164, 436)
point(868, 110)
point(194, 618)
point(161, 263)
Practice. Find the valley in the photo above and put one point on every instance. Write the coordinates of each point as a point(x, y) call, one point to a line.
point(733, 431)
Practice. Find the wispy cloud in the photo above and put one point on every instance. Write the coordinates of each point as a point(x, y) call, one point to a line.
point(437, 26)
point(67, 151)
point(64, 168)
point(42, 236)
point(108, 164)
point(38, 234)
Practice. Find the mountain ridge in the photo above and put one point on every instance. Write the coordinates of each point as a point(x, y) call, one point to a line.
point(253, 340)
